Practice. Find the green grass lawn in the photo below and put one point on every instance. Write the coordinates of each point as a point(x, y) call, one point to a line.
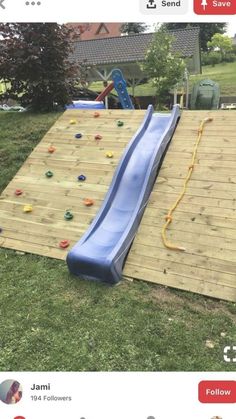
point(50, 320)
point(224, 74)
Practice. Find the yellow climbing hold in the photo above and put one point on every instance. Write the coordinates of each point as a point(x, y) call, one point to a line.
point(28, 208)
point(169, 216)
point(109, 154)
point(72, 122)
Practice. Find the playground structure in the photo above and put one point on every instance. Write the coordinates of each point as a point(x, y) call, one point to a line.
point(119, 84)
point(53, 199)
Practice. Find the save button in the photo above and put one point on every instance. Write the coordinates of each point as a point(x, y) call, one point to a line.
point(215, 7)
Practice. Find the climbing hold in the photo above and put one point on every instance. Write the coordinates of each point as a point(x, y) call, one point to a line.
point(109, 154)
point(1, 230)
point(78, 136)
point(98, 137)
point(28, 208)
point(51, 149)
point(120, 123)
point(18, 192)
point(96, 114)
point(82, 178)
point(64, 244)
point(72, 122)
point(68, 215)
point(88, 202)
point(49, 174)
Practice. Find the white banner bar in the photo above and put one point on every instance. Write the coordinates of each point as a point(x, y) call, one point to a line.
point(114, 396)
point(104, 11)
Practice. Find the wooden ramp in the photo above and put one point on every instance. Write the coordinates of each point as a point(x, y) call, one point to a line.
point(204, 223)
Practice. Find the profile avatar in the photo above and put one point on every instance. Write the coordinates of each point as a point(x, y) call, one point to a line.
point(10, 392)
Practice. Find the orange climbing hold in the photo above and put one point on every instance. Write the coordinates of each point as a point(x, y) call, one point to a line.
point(51, 149)
point(64, 244)
point(96, 114)
point(88, 202)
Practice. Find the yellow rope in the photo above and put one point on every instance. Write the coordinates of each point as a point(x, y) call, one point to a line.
point(169, 217)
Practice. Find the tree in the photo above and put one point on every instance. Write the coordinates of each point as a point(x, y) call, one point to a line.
point(164, 67)
point(34, 60)
point(207, 30)
point(132, 28)
point(221, 43)
point(214, 58)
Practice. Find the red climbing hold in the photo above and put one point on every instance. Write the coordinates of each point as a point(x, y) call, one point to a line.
point(98, 137)
point(64, 244)
point(18, 192)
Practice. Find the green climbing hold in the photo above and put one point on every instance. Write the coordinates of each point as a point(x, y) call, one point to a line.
point(49, 173)
point(68, 215)
point(120, 123)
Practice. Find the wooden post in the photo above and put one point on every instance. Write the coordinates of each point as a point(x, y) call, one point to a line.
point(186, 74)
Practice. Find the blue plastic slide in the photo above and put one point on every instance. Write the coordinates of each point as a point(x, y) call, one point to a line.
point(101, 252)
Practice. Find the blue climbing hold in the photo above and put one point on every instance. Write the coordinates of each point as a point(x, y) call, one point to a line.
point(78, 136)
point(82, 178)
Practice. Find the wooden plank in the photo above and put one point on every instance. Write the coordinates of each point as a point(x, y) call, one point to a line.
point(196, 192)
point(191, 233)
point(48, 218)
point(168, 201)
point(203, 184)
point(182, 258)
point(230, 214)
point(198, 273)
point(204, 174)
point(36, 249)
point(214, 157)
point(193, 226)
point(181, 282)
point(160, 214)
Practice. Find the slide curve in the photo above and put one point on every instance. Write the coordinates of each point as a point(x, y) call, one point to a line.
point(101, 252)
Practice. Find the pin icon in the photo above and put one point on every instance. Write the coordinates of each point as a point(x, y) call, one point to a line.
point(204, 4)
